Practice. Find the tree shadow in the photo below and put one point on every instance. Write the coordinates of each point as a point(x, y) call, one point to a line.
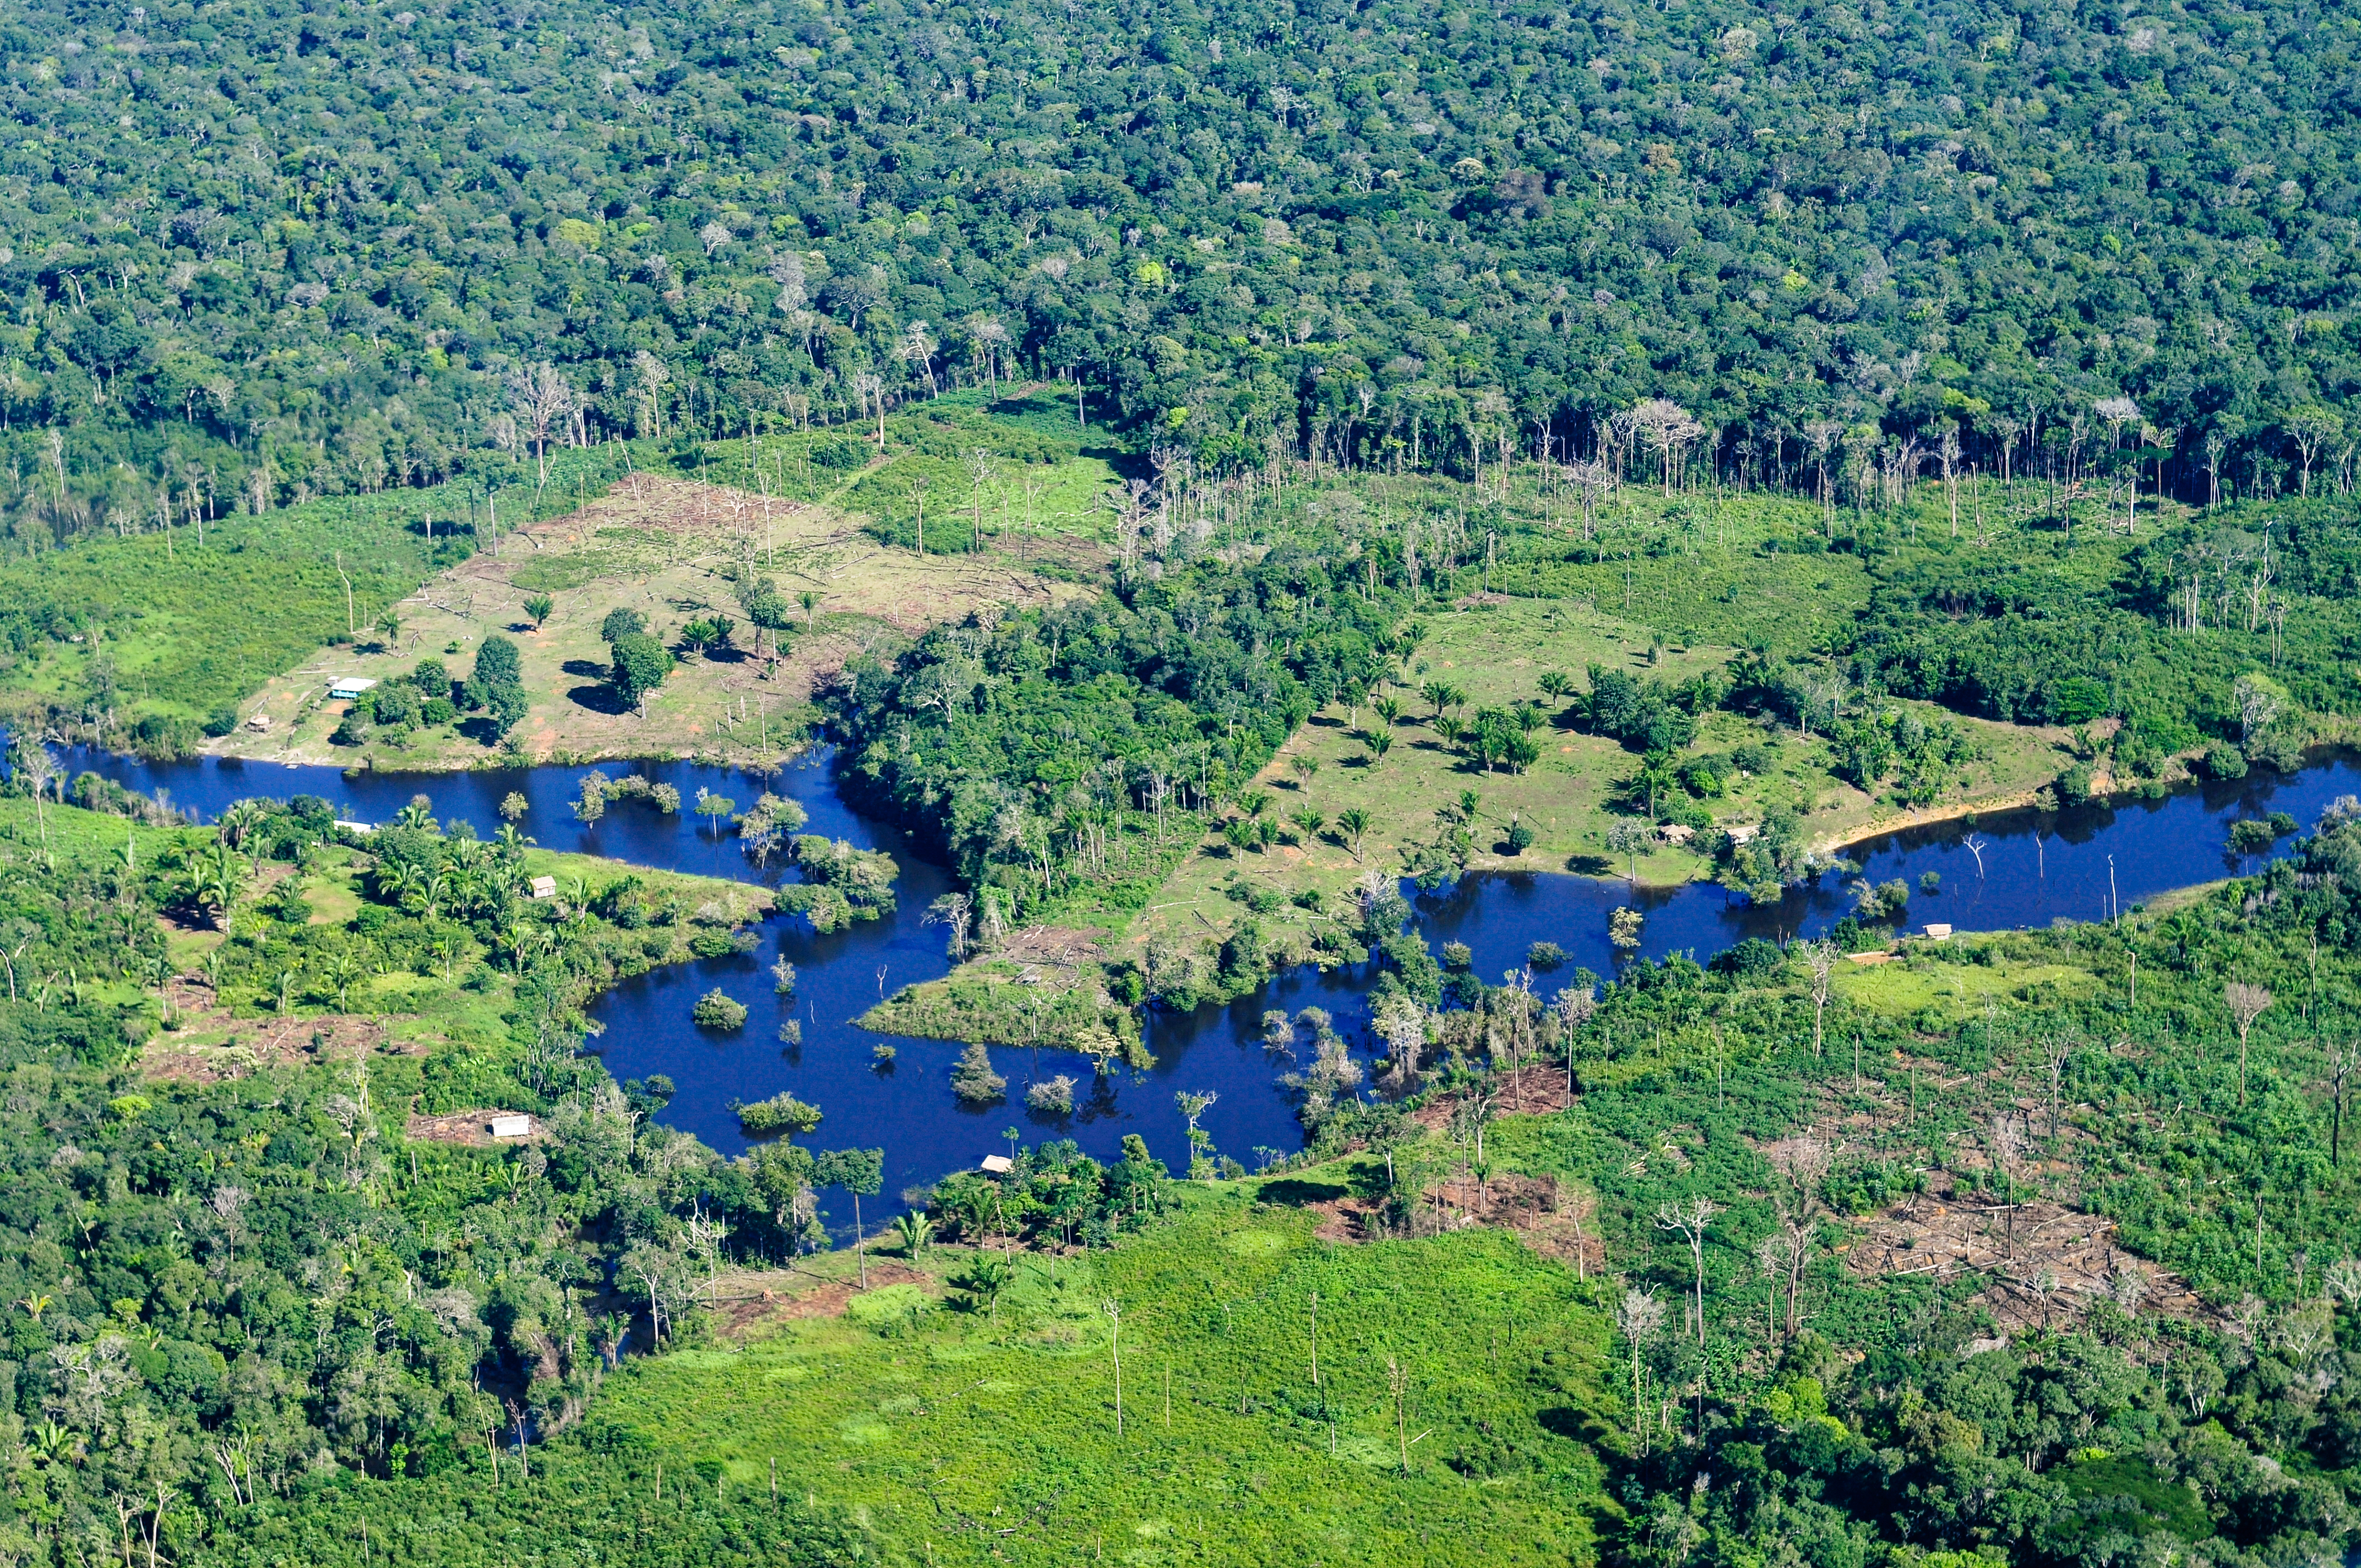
point(1296, 1192)
point(585, 669)
point(1589, 865)
point(600, 698)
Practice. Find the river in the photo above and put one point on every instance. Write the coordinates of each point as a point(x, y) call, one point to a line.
point(2035, 869)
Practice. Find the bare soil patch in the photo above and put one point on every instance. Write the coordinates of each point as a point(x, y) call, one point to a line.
point(751, 1300)
point(2046, 1261)
point(470, 1129)
point(209, 1045)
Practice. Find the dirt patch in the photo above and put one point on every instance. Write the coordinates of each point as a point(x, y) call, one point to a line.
point(2042, 1261)
point(470, 1129)
point(1536, 1091)
point(1054, 948)
point(749, 1302)
point(210, 1046)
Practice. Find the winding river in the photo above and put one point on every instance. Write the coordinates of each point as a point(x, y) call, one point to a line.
point(2033, 869)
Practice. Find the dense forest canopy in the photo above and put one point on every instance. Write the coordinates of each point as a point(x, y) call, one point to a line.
point(255, 251)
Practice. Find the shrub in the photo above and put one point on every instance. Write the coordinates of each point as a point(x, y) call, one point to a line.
point(221, 721)
point(779, 1114)
point(972, 1079)
point(2222, 761)
point(1544, 956)
point(716, 1010)
point(1055, 1095)
point(2251, 837)
point(2077, 784)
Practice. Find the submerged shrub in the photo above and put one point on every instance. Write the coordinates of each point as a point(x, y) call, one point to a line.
point(716, 1010)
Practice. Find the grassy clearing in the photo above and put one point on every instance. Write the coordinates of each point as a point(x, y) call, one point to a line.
point(1943, 986)
point(1496, 652)
point(399, 1010)
point(675, 551)
point(960, 1439)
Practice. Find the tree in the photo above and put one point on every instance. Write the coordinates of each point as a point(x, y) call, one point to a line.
point(1628, 837)
point(620, 623)
point(714, 807)
point(1378, 742)
point(987, 1277)
point(2312, 426)
point(860, 1172)
point(495, 685)
point(1690, 1221)
point(767, 609)
point(915, 1231)
point(1353, 822)
point(539, 606)
point(1820, 960)
point(2247, 1003)
point(2259, 699)
point(1638, 1316)
point(640, 666)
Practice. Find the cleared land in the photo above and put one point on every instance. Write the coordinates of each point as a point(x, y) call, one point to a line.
point(398, 1012)
point(671, 549)
point(971, 1431)
point(1496, 651)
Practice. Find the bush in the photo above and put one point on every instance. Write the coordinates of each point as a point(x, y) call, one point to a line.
point(1753, 956)
point(1544, 956)
point(779, 1114)
point(972, 1079)
point(2077, 784)
point(221, 721)
point(2251, 836)
point(841, 453)
point(716, 1010)
point(437, 710)
point(1055, 1095)
point(2222, 760)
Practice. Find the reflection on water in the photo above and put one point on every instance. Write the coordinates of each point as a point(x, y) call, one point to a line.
point(2034, 868)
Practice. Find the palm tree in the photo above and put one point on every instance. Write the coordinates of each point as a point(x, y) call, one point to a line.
point(916, 1232)
point(342, 971)
point(1309, 821)
point(1353, 824)
point(1379, 742)
point(1437, 696)
point(1386, 708)
point(1554, 684)
point(987, 1277)
point(216, 880)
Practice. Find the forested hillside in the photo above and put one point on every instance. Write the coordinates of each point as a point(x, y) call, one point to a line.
point(255, 252)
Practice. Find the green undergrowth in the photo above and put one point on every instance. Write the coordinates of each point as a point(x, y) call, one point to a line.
point(157, 626)
point(971, 1433)
point(1000, 1003)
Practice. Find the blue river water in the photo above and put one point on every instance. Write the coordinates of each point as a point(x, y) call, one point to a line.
point(2035, 869)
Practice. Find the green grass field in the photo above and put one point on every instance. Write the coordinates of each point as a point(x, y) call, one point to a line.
point(960, 1439)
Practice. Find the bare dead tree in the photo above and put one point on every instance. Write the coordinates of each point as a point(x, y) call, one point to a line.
point(2247, 1003)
